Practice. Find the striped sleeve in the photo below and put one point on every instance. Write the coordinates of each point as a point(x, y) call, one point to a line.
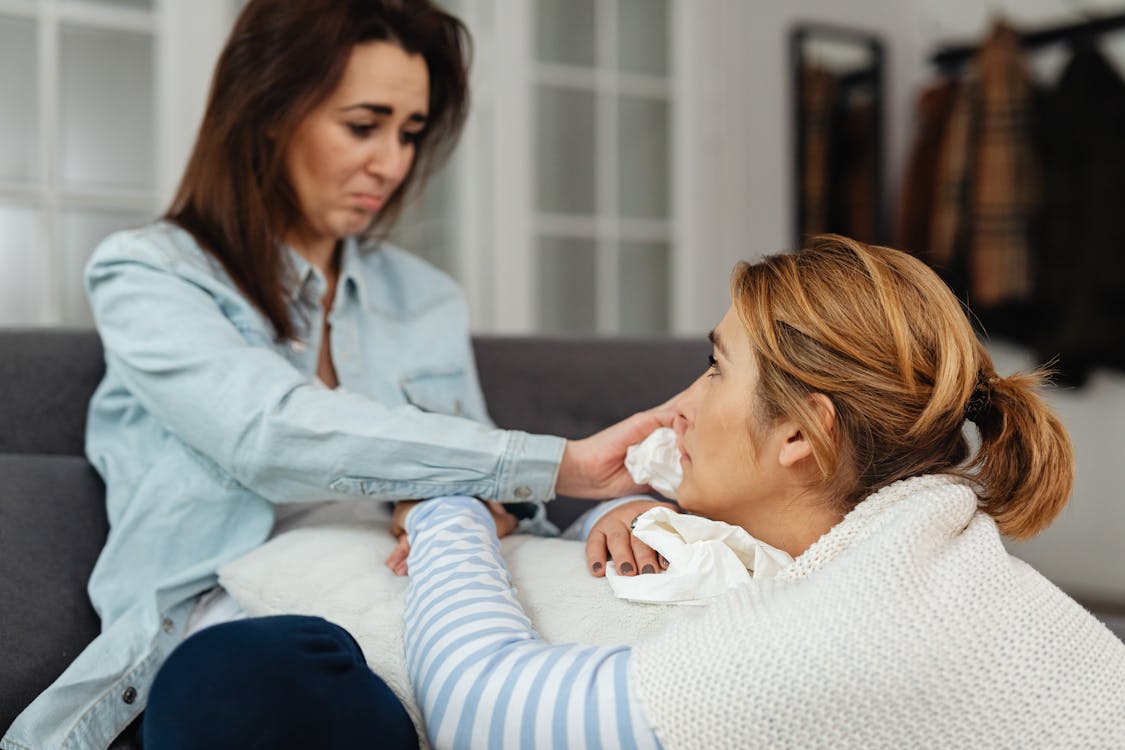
point(482, 677)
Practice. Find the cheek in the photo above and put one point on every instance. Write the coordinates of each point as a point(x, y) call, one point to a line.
point(722, 466)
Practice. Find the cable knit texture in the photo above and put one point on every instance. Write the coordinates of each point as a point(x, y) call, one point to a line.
point(906, 625)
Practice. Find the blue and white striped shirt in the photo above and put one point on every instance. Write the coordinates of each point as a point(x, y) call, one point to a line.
point(482, 677)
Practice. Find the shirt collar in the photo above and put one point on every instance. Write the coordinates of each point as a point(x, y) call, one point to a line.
point(350, 283)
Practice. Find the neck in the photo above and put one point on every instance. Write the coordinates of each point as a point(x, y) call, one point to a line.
point(320, 252)
point(794, 522)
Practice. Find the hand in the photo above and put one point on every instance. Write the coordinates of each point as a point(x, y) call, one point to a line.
point(613, 537)
point(594, 467)
point(505, 524)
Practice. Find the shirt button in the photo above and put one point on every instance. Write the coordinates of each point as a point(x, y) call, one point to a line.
point(129, 695)
point(523, 493)
point(168, 625)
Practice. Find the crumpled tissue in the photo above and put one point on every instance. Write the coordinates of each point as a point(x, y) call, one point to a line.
point(705, 558)
point(655, 461)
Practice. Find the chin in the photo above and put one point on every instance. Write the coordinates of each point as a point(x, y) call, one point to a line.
point(686, 499)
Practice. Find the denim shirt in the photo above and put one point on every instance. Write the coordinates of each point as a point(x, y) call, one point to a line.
point(203, 422)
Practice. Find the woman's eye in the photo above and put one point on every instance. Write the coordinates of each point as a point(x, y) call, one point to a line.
point(712, 366)
point(361, 131)
point(412, 138)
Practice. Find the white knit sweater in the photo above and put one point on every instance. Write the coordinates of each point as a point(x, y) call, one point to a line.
point(907, 625)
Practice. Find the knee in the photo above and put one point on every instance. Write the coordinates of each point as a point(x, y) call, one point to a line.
point(286, 681)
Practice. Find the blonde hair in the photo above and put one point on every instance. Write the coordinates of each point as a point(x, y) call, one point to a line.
point(882, 337)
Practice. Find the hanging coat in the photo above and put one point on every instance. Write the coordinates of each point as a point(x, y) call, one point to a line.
point(1080, 282)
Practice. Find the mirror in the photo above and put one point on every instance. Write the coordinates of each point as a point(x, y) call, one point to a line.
point(838, 125)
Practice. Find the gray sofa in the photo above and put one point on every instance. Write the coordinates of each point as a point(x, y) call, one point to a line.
point(52, 519)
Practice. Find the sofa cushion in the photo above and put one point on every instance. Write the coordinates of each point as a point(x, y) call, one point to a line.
point(52, 526)
point(574, 387)
point(48, 377)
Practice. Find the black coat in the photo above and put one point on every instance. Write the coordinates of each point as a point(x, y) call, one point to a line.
point(1080, 268)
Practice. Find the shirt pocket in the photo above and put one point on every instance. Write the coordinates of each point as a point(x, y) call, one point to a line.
point(437, 390)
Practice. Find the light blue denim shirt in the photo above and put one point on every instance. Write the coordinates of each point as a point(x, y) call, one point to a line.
point(203, 422)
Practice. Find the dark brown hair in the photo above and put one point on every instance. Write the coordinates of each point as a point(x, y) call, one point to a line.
point(283, 58)
point(879, 334)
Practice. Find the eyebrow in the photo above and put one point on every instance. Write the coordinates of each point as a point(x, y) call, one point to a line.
point(713, 337)
point(384, 110)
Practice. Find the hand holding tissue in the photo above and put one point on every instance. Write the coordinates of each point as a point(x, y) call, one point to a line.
point(656, 462)
point(705, 557)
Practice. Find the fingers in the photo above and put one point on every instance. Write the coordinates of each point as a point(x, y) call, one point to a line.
point(619, 541)
point(612, 537)
point(596, 553)
point(396, 561)
point(630, 555)
point(646, 557)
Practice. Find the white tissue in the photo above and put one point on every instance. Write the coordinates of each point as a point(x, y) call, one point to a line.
point(656, 462)
point(705, 558)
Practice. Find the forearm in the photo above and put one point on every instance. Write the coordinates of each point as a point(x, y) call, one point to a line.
point(482, 676)
point(243, 407)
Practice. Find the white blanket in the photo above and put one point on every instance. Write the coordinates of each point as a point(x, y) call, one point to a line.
point(337, 572)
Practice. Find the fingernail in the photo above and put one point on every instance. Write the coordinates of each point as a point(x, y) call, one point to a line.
point(663, 562)
point(627, 569)
point(597, 567)
point(648, 569)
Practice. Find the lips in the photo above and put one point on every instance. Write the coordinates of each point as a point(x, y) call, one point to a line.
point(369, 202)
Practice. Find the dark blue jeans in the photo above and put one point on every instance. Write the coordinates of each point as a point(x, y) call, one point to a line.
point(272, 682)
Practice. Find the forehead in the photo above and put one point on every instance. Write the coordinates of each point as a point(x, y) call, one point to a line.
point(383, 73)
point(735, 342)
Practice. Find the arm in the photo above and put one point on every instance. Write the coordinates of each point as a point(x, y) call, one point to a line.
point(481, 675)
point(245, 408)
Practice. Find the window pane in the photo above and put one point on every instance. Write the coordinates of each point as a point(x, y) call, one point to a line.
point(644, 148)
point(565, 32)
point(644, 295)
point(643, 36)
point(106, 123)
point(24, 286)
point(19, 114)
point(80, 233)
point(567, 285)
point(564, 148)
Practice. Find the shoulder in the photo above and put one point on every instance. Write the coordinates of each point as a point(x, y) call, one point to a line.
point(402, 284)
point(161, 244)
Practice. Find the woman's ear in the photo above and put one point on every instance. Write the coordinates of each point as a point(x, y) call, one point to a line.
point(797, 446)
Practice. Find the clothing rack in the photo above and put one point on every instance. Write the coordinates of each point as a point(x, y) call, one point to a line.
point(952, 56)
point(872, 75)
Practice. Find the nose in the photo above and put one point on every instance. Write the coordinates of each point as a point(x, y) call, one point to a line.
point(390, 158)
point(685, 405)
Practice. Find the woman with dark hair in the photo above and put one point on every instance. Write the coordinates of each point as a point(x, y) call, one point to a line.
point(829, 424)
point(264, 348)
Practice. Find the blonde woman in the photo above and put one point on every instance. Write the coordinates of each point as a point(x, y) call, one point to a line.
point(830, 423)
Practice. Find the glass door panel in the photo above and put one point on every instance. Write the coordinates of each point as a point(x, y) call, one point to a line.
point(23, 300)
point(106, 127)
point(566, 283)
point(19, 115)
